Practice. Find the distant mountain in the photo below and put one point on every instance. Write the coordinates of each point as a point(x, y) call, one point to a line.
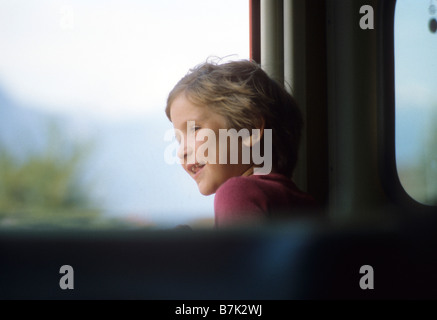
point(20, 128)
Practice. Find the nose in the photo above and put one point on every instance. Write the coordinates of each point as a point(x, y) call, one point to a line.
point(182, 151)
point(185, 152)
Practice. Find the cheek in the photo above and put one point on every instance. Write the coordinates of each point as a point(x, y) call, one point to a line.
point(207, 151)
point(199, 147)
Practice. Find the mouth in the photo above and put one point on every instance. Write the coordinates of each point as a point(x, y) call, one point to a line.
point(194, 169)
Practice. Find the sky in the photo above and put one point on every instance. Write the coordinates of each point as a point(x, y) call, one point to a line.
point(112, 59)
point(415, 54)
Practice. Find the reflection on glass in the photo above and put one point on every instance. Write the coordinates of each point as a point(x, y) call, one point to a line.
point(83, 88)
point(416, 98)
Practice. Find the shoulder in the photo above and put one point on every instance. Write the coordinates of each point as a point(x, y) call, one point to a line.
point(267, 192)
point(236, 182)
point(254, 187)
point(257, 196)
point(239, 196)
point(238, 188)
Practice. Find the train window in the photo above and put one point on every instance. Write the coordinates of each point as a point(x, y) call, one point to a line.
point(416, 98)
point(83, 88)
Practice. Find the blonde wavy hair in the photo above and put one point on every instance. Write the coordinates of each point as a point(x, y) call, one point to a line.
point(248, 98)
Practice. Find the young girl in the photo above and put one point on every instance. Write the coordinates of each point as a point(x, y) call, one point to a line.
point(213, 100)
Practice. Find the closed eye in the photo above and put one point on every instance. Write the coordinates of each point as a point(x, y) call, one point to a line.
point(194, 128)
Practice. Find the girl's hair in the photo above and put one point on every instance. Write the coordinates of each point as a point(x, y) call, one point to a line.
point(248, 98)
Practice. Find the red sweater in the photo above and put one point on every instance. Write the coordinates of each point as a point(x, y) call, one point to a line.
point(244, 199)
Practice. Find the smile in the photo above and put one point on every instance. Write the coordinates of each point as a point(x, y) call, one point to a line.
point(195, 168)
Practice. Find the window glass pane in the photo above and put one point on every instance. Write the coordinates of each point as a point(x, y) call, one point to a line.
point(83, 88)
point(416, 97)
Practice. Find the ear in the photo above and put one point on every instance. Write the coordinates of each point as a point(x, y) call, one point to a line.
point(256, 134)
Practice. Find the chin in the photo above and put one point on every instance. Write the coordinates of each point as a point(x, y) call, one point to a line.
point(206, 190)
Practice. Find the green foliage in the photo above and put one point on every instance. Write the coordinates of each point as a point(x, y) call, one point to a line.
point(45, 187)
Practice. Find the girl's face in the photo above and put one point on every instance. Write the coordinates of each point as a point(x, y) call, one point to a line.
point(208, 176)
